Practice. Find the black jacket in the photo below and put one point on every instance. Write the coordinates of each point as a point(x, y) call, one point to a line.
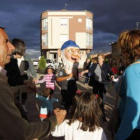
point(13, 73)
point(105, 71)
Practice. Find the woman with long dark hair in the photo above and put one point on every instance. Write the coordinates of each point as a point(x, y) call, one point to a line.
point(84, 122)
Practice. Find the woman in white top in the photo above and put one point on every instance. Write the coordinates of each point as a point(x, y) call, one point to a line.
point(84, 123)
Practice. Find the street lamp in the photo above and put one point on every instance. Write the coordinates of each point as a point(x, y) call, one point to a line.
point(137, 24)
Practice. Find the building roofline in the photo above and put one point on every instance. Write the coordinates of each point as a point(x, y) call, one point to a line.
point(64, 10)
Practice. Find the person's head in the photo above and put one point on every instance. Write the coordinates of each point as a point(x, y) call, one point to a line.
point(93, 60)
point(6, 48)
point(70, 53)
point(87, 110)
point(47, 92)
point(100, 58)
point(20, 47)
point(50, 70)
point(129, 45)
point(114, 65)
point(121, 70)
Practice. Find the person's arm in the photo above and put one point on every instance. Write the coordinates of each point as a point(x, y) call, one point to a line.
point(110, 72)
point(23, 88)
point(42, 80)
point(130, 117)
point(31, 71)
point(10, 116)
point(13, 126)
point(83, 72)
point(39, 97)
point(59, 79)
point(16, 90)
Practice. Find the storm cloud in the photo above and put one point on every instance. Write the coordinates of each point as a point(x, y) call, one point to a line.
point(22, 18)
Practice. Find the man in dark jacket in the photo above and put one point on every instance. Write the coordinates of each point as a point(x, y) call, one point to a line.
point(12, 125)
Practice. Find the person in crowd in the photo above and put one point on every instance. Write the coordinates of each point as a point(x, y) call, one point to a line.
point(84, 122)
point(75, 70)
point(25, 63)
point(12, 125)
point(46, 101)
point(129, 107)
point(49, 78)
point(114, 69)
point(85, 67)
point(120, 74)
point(15, 77)
point(69, 53)
point(101, 73)
point(90, 72)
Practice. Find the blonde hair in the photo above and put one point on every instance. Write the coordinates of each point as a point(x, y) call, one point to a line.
point(129, 44)
point(102, 55)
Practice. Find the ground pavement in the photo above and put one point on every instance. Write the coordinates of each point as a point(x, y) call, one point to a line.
point(33, 111)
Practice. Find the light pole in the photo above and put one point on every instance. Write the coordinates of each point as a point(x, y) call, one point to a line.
point(137, 24)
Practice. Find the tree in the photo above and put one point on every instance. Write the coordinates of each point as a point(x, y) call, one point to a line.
point(42, 65)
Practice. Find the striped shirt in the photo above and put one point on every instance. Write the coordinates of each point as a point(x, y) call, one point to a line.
point(49, 79)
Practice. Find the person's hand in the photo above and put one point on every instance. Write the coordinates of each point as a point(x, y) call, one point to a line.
point(60, 115)
point(31, 87)
point(112, 77)
point(35, 80)
point(82, 73)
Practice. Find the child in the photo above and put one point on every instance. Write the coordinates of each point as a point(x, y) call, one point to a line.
point(49, 78)
point(46, 101)
point(84, 122)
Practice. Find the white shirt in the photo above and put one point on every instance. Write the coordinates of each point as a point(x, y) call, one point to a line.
point(19, 60)
point(71, 132)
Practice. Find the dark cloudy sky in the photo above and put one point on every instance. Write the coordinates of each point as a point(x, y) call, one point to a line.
point(22, 19)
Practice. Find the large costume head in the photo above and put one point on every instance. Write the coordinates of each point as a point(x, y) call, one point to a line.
point(69, 53)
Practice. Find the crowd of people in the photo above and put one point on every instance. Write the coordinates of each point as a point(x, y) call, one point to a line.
point(81, 113)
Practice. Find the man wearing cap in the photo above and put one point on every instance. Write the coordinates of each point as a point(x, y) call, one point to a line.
point(70, 54)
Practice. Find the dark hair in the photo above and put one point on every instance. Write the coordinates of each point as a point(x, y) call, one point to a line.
point(47, 91)
point(87, 109)
point(129, 44)
point(49, 67)
point(121, 70)
point(19, 46)
point(74, 104)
